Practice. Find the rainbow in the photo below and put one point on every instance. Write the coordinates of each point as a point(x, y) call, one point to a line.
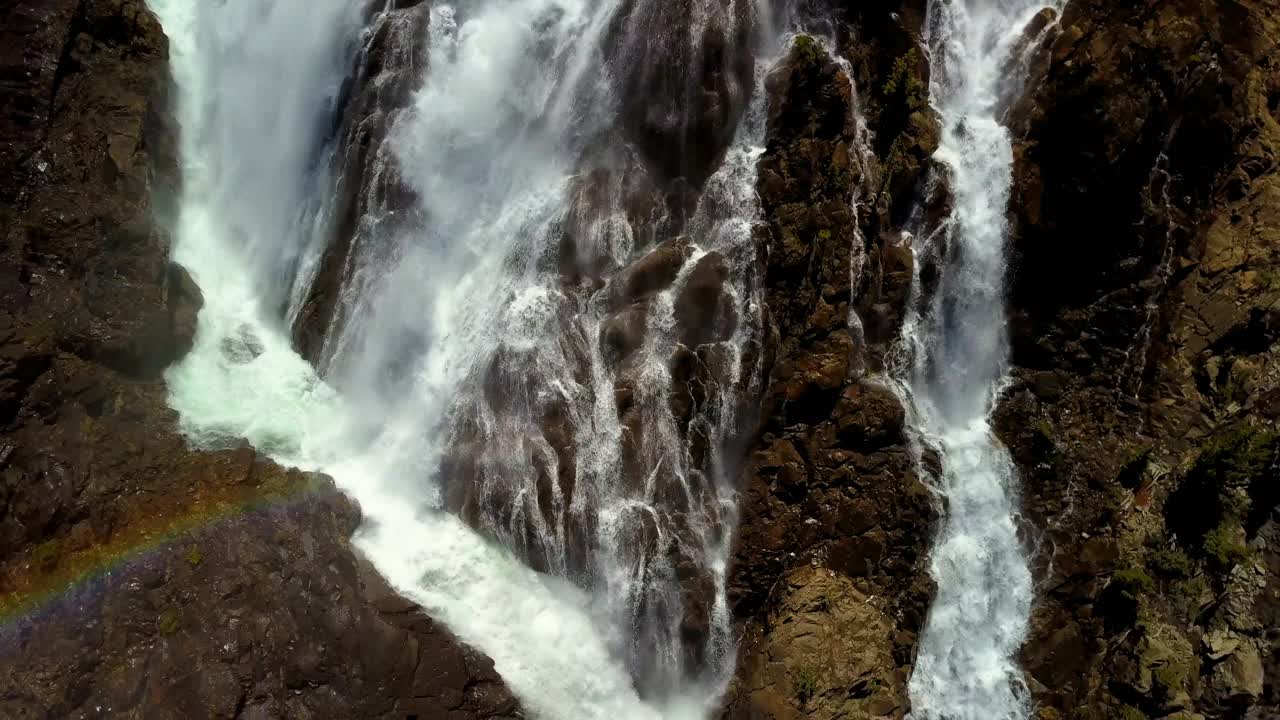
point(47, 575)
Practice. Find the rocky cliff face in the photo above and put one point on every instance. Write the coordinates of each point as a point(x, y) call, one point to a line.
point(369, 199)
point(1143, 409)
point(201, 584)
point(1144, 412)
point(828, 576)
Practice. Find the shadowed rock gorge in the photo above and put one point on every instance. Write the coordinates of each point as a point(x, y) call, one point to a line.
point(573, 358)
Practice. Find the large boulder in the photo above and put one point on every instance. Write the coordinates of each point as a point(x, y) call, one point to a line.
point(825, 652)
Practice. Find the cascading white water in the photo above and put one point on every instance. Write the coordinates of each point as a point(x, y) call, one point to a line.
point(955, 355)
point(492, 146)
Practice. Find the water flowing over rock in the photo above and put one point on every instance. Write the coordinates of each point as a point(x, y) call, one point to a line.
point(683, 358)
point(133, 580)
point(369, 199)
point(954, 355)
point(685, 78)
point(532, 291)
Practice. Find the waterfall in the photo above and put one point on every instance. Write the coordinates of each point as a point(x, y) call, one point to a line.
point(953, 360)
point(519, 261)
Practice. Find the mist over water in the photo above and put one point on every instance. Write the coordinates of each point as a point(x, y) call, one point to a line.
point(456, 345)
point(954, 358)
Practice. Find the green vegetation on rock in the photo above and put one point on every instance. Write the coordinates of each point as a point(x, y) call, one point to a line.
point(1170, 562)
point(1170, 679)
point(1235, 457)
point(45, 556)
point(904, 79)
point(1222, 546)
point(168, 622)
point(1129, 712)
point(1134, 582)
point(807, 50)
point(805, 684)
point(1210, 511)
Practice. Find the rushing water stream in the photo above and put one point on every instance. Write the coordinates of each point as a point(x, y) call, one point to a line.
point(471, 379)
point(955, 357)
point(464, 245)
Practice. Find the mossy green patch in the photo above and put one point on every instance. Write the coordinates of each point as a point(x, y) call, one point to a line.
point(1213, 506)
point(45, 556)
point(1170, 679)
point(807, 50)
point(168, 622)
point(1223, 547)
point(903, 79)
point(1233, 458)
point(1170, 562)
point(804, 683)
point(1134, 582)
point(1129, 712)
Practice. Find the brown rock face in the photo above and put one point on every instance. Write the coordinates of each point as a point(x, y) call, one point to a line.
point(825, 651)
point(83, 155)
point(266, 613)
point(835, 519)
point(139, 578)
point(1140, 417)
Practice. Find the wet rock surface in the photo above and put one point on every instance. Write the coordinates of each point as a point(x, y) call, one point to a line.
point(684, 88)
point(139, 578)
point(634, 330)
point(827, 577)
point(824, 651)
point(369, 200)
point(1143, 410)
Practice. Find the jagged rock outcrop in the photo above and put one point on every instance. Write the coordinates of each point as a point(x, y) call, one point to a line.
point(369, 201)
point(835, 518)
point(1143, 415)
point(1144, 404)
point(139, 578)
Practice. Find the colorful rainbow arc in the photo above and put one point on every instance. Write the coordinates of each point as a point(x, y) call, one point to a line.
point(29, 591)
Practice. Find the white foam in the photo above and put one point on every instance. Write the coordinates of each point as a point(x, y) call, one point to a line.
point(957, 350)
point(481, 147)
